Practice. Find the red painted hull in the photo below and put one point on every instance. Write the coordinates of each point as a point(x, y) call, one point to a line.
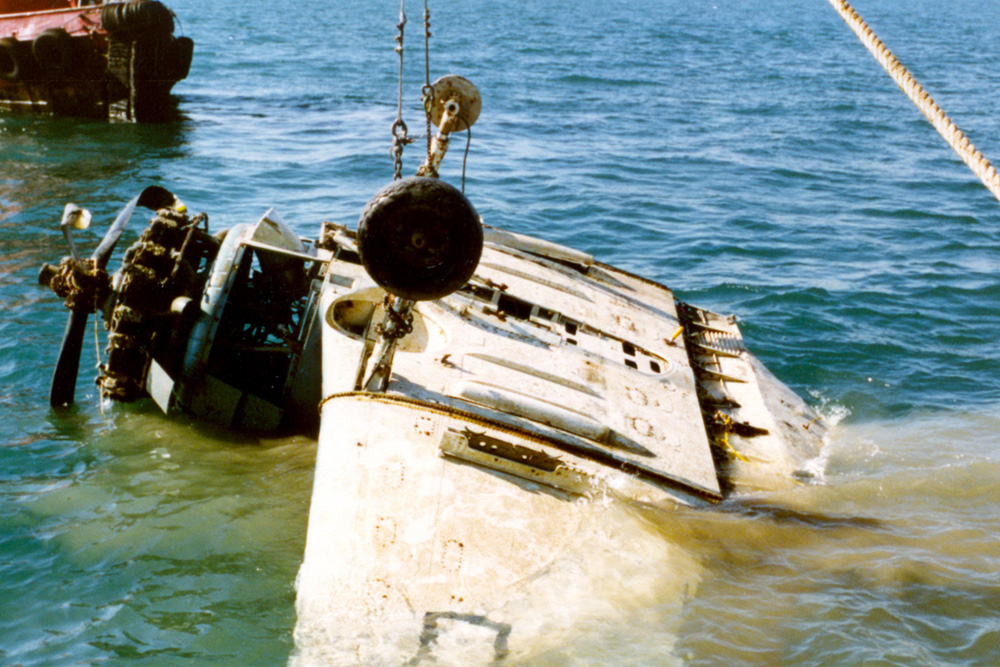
point(115, 60)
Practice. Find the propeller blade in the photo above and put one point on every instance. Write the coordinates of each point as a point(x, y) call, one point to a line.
point(103, 252)
point(63, 389)
point(63, 386)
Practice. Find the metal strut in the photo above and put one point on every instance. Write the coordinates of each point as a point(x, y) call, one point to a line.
point(376, 365)
point(430, 631)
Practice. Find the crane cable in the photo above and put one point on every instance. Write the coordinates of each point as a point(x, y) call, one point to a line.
point(960, 143)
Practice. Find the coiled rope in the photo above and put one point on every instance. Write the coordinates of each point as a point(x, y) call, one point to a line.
point(960, 143)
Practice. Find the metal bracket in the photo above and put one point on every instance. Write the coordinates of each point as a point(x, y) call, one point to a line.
point(429, 633)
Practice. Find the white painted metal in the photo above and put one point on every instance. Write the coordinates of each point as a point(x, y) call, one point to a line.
point(452, 513)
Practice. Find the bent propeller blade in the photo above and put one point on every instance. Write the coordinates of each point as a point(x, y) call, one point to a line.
point(63, 389)
point(107, 245)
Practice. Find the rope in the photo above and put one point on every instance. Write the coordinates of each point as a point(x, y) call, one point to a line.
point(960, 143)
point(97, 349)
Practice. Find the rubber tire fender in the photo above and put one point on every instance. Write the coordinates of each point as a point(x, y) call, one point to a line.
point(420, 238)
point(13, 63)
point(179, 58)
point(137, 16)
point(53, 51)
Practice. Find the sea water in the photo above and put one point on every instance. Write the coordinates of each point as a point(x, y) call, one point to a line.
point(751, 156)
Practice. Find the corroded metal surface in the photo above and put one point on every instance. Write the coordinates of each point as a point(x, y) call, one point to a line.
point(162, 266)
point(455, 105)
point(452, 105)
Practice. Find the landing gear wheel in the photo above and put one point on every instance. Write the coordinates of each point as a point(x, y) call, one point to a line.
point(420, 238)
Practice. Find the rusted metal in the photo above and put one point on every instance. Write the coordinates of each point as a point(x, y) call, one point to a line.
point(151, 282)
point(81, 284)
point(396, 324)
point(453, 105)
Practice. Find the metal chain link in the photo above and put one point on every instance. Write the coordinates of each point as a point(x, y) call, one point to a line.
point(396, 325)
point(427, 92)
point(399, 130)
point(400, 138)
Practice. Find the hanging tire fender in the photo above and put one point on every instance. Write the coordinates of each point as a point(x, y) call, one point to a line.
point(137, 16)
point(53, 51)
point(14, 61)
point(178, 61)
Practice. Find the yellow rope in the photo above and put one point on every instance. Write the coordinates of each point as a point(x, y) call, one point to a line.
point(723, 438)
point(979, 165)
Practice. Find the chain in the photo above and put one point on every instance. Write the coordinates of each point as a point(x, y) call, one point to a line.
point(427, 92)
point(396, 325)
point(399, 136)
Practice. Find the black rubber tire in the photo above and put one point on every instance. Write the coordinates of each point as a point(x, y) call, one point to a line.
point(178, 60)
point(53, 51)
point(138, 16)
point(420, 238)
point(12, 60)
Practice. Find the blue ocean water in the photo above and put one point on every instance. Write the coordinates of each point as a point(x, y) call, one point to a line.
point(754, 158)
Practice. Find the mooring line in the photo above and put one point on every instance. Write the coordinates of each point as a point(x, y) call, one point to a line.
point(960, 143)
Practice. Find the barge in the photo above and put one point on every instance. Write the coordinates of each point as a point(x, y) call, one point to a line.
point(115, 60)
